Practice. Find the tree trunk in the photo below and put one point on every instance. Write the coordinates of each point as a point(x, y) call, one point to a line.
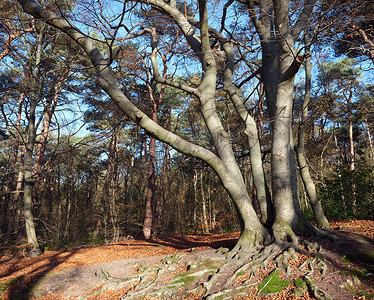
point(147, 225)
point(205, 224)
point(371, 154)
point(29, 179)
point(278, 83)
point(252, 230)
point(42, 142)
point(310, 188)
point(253, 137)
point(4, 217)
point(27, 196)
point(351, 142)
point(16, 197)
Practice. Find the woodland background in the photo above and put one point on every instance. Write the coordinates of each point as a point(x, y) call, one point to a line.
point(93, 169)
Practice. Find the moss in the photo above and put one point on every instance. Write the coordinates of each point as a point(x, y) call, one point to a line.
point(272, 284)
point(172, 258)
point(368, 257)
point(210, 264)
point(367, 296)
point(282, 230)
point(299, 283)
point(184, 274)
point(186, 280)
point(300, 287)
point(144, 269)
point(356, 273)
point(345, 259)
point(239, 274)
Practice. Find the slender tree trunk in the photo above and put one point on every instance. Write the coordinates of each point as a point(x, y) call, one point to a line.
point(310, 188)
point(29, 180)
point(351, 142)
point(195, 199)
point(371, 155)
point(42, 142)
point(147, 226)
point(253, 137)
point(114, 189)
point(164, 186)
point(27, 197)
point(104, 200)
point(4, 217)
point(204, 210)
point(16, 197)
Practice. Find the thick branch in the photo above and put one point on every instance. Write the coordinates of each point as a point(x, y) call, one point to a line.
point(180, 19)
point(302, 21)
point(294, 67)
point(109, 85)
point(370, 43)
point(156, 73)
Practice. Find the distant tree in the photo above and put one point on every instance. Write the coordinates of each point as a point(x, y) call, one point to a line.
point(340, 82)
point(39, 76)
point(349, 27)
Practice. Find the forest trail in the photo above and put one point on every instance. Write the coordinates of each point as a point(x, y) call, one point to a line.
point(179, 262)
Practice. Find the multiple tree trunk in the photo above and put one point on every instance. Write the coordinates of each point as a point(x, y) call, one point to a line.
point(280, 63)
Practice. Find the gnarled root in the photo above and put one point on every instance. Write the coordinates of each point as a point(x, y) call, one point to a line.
point(248, 243)
point(315, 291)
point(278, 252)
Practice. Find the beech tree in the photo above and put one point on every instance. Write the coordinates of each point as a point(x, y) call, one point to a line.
point(278, 31)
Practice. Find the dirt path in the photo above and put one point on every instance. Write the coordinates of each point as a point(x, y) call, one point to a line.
point(179, 267)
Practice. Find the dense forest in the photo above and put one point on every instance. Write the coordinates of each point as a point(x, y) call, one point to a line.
point(144, 118)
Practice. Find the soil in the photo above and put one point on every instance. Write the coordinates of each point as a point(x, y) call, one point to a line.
point(182, 267)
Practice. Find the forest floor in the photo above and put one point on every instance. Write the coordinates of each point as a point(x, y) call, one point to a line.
point(179, 267)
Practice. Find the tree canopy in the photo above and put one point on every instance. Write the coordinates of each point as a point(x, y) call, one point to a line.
point(203, 116)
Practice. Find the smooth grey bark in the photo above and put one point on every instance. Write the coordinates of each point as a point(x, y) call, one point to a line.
point(263, 196)
point(221, 139)
point(280, 63)
point(309, 185)
point(223, 162)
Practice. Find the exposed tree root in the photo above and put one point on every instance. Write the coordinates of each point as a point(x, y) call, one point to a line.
point(277, 253)
point(315, 291)
point(219, 274)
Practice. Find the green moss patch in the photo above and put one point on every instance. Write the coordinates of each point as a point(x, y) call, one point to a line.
point(185, 280)
point(272, 284)
point(210, 264)
point(300, 287)
point(239, 274)
point(367, 296)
